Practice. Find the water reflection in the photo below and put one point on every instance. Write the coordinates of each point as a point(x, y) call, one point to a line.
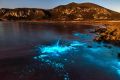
point(21, 37)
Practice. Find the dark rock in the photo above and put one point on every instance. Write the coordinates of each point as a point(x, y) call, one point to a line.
point(118, 55)
point(89, 46)
point(107, 46)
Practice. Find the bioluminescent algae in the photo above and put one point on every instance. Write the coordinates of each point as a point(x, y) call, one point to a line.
point(57, 55)
point(57, 50)
point(82, 36)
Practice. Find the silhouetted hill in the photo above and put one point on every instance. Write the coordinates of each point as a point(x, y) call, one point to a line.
point(69, 12)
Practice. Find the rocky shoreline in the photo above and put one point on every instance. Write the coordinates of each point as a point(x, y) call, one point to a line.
point(109, 34)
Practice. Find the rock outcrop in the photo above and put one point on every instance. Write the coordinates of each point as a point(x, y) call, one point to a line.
point(23, 14)
point(110, 34)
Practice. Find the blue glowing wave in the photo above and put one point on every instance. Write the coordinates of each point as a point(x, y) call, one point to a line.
point(97, 54)
point(57, 50)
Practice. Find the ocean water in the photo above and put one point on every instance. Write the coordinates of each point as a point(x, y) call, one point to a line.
point(55, 51)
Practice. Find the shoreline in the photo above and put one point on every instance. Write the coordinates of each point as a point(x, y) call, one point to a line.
point(85, 22)
point(63, 21)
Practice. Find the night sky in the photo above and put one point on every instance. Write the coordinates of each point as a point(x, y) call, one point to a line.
point(47, 4)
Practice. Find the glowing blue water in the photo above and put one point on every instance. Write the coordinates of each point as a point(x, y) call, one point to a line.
point(94, 52)
point(57, 50)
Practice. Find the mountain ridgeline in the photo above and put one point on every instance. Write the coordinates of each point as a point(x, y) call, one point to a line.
point(69, 12)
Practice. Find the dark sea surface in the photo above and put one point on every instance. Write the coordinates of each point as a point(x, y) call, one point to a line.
point(55, 51)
